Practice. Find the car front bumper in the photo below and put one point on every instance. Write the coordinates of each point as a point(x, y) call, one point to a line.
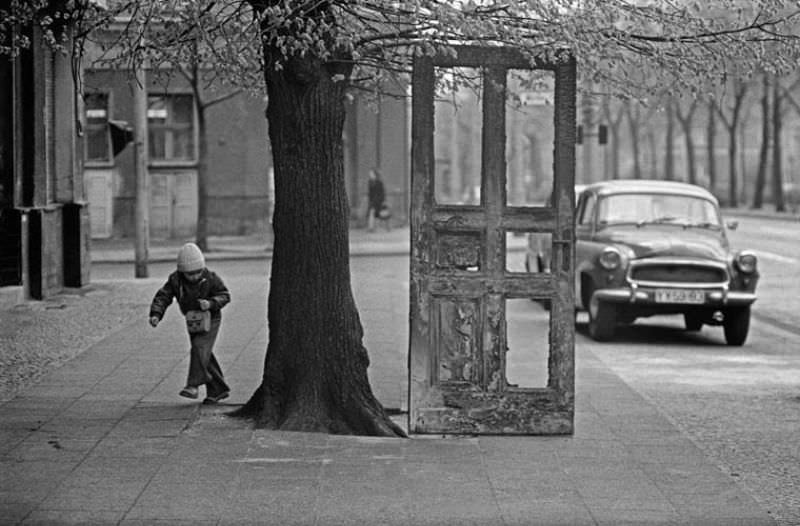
point(645, 296)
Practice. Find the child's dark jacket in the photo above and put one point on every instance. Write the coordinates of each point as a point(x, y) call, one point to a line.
point(209, 287)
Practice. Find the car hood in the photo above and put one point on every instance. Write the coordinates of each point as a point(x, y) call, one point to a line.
point(675, 241)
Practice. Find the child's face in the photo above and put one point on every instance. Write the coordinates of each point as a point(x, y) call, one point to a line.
point(193, 276)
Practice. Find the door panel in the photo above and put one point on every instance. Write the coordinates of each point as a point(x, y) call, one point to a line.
point(160, 206)
point(460, 282)
point(185, 204)
point(173, 204)
point(99, 194)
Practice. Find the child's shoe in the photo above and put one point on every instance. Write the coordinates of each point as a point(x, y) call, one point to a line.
point(214, 399)
point(189, 392)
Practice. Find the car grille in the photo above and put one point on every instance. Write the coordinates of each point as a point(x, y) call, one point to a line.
point(678, 273)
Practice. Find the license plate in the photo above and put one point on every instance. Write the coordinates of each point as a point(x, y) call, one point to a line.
point(680, 296)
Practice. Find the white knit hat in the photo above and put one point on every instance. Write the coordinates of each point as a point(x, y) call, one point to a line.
point(190, 258)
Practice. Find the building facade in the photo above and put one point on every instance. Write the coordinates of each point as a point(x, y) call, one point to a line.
point(44, 217)
point(239, 184)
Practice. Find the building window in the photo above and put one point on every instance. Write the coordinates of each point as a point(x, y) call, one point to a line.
point(97, 143)
point(170, 123)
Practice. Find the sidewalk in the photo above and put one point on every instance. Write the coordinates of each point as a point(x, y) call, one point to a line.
point(105, 439)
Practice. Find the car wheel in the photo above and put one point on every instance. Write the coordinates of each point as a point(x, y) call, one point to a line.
point(736, 325)
point(602, 320)
point(692, 321)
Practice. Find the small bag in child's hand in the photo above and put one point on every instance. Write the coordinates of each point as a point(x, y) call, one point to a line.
point(198, 321)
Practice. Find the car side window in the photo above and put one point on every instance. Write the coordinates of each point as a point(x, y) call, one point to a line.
point(587, 209)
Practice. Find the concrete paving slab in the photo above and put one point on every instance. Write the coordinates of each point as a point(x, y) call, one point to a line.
point(84, 494)
point(73, 517)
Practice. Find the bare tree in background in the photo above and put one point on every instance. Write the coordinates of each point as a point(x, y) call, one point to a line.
point(614, 112)
point(730, 114)
point(711, 145)
point(685, 120)
point(763, 153)
point(669, 154)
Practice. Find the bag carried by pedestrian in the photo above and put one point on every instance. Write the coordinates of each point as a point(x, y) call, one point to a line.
point(198, 321)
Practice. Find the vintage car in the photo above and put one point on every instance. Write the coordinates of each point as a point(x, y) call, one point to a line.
point(539, 247)
point(655, 247)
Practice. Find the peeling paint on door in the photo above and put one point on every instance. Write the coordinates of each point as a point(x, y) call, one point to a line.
point(459, 278)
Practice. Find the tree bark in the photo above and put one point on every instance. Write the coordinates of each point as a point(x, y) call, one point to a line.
point(763, 154)
point(315, 371)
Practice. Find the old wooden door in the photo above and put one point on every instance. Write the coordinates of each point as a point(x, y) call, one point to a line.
point(460, 284)
point(173, 204)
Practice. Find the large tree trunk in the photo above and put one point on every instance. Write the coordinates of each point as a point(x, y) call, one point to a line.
point(315, 372)
point(763, 154)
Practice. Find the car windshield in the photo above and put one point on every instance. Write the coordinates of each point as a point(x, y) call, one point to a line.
point(643, 209)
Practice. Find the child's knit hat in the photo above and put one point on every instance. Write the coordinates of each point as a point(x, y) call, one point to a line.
point(190, 258)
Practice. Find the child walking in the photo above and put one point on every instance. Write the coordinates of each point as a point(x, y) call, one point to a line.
point(201, 294)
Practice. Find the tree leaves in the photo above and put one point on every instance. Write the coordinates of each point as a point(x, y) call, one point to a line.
point(634, 48)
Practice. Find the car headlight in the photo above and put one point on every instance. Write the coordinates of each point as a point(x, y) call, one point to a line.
point(610, 258)
point(746, 262)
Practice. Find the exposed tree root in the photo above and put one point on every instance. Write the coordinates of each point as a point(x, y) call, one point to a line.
point(367, 419)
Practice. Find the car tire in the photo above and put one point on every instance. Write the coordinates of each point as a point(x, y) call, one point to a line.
point(602, 320)
point(736, 325)
point(692, 321)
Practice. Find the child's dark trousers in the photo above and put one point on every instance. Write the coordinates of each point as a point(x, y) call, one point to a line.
point(203, 365)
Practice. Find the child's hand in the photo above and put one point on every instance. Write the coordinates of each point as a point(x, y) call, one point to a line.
point(204, 304)
point(154, 321)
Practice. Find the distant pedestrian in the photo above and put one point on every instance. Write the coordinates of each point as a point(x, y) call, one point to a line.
point(376, 198)
point(201, 294)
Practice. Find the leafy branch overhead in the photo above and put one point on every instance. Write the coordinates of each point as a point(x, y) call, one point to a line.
point(630, 46)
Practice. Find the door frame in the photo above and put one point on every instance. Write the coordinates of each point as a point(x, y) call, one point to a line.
point(449, 242)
